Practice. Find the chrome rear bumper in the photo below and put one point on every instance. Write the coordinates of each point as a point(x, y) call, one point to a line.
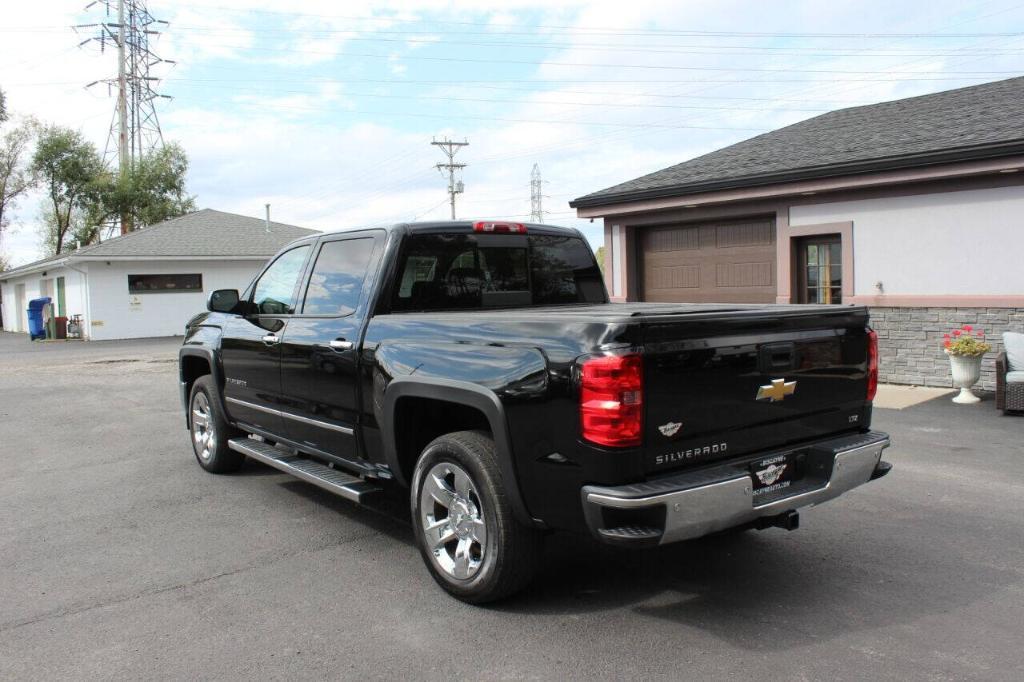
point(696, 503)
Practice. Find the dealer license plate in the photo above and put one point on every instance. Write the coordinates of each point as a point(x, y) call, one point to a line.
point(773, 473)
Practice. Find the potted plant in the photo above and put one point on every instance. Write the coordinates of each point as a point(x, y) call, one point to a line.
point(965, 348)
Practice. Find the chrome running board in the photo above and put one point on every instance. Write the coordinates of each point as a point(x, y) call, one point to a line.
point(332, 480)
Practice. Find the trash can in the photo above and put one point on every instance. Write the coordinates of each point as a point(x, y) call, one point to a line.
point(36, 330)
point(62, 326)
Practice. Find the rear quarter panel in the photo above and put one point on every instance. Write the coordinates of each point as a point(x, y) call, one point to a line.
point(526, 363)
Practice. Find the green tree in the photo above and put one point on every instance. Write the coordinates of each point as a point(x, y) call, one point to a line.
point(3, 107)
point(16, 174)
point(77, 231)
point(150, 192)
point(69, 169)
point(599, 254)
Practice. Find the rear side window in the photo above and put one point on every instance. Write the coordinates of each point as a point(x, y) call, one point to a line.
point(337, 278)
point(564, 271)
point(453, 272)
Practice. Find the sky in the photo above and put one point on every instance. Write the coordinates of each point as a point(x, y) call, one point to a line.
point(326, 110)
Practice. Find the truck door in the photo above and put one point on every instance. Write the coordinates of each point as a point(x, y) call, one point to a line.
point(250, 345)
point(320, 350)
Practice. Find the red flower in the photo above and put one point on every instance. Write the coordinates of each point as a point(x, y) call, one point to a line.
point(956, 332)
point(981, 332)
point(945, 336)
point(968, 327)
point(946, 343)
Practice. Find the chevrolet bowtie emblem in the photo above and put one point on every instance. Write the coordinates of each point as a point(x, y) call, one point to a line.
point(777, 390)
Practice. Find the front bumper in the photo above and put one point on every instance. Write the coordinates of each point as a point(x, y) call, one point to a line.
point(696, 503)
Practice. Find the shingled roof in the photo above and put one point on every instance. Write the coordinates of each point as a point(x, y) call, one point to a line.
point(202, 234)
point(976, 122)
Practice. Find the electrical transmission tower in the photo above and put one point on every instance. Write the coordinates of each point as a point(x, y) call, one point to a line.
point(129, 28)
point(450, 149)
point(536, 198)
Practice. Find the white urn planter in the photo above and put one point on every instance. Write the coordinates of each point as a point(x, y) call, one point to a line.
point(966, 370)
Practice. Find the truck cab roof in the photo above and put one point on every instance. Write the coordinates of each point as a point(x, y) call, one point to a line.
point(452, 226)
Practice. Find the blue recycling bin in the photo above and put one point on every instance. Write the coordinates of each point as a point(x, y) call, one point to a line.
point(36, 329)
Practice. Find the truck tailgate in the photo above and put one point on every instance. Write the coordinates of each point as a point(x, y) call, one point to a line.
point(716, 389)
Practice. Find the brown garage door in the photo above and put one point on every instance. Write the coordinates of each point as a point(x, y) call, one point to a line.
point(730, 262)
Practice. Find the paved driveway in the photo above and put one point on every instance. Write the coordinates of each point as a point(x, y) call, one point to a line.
point(119, 557)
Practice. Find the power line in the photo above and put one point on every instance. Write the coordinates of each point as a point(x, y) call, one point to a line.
point(608, 30)
point(450, 149)
point(658, 67)
point(402, 113)
point(707, 49)
point(614, 105)
point(711, 50)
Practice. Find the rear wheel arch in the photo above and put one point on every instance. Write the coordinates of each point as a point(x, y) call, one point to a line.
point(408, 428)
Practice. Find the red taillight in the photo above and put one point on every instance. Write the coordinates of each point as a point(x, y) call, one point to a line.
point(872, 364)
point(612, 400)
point(487, 226)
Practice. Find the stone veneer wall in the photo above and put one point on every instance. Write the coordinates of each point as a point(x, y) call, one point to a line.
point(910, 341)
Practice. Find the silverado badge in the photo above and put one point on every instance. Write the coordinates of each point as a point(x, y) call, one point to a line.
point(670, 429)
point(771, 474)
point(776, 391)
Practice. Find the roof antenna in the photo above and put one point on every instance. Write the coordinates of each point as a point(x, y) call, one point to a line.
point(266, 221)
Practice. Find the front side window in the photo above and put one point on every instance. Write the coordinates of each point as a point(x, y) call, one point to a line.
point(452, 272)
point(337, 279)
point(274, 293)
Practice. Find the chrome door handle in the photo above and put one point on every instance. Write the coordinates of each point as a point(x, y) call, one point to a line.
point(340, 344)
point(271, 339)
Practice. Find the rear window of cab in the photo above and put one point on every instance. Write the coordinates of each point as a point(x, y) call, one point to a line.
point(459, 272)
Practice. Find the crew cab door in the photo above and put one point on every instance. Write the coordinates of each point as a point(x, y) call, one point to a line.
point(250, 344)
point(320, 349)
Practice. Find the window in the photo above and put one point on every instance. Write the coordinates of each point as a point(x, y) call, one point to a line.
point(564, 271)
point(274, 293)
point(441, 272)
point(164, 284)
point(821, 270)
point(337, 279)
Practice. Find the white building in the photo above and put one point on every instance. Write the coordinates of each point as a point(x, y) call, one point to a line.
point(148, 282)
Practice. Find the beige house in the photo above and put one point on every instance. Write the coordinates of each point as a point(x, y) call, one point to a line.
point(913, 207)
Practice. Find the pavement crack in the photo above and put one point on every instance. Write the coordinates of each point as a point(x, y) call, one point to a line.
point(156, 591)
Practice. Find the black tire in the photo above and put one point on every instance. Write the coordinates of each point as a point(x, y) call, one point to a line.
point(210, 440)
point(511, 552)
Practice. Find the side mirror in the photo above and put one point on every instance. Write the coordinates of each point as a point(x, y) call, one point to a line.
point(222, 301)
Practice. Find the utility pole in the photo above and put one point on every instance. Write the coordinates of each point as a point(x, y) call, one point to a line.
point(450, 149)
point(536, 198)
point(135, 130)
point(122, 101)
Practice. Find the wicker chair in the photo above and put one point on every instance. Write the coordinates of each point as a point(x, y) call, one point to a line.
point(1009, 394)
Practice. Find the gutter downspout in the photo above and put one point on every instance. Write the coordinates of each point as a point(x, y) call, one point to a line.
point(87, 322)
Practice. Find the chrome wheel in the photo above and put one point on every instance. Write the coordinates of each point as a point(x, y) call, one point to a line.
point(203, 435)
point(452, 520)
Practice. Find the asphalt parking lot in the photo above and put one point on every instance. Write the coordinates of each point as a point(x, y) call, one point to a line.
point(121, 558)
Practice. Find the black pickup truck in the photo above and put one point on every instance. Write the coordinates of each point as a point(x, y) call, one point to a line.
point(481, 365)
